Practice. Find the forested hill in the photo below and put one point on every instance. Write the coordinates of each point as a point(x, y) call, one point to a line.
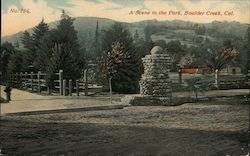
point(86, 27)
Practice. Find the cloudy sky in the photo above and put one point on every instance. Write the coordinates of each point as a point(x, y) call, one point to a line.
point(18, 15)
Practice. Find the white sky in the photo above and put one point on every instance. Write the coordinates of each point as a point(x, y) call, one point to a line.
point(119, 10)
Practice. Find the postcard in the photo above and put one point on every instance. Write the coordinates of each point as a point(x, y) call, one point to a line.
point(125, 77)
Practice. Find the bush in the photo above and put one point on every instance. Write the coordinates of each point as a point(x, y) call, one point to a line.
point(125, 87)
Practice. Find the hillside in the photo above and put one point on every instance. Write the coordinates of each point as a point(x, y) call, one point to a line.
point(163, 30)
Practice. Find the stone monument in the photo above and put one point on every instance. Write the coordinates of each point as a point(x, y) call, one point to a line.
point(155, 85)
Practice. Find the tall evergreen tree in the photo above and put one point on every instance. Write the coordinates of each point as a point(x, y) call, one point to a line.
point(32, 42)
point(136, 36)
point(38, 32)
point(27, 41)
point(95, 49)
point(62, 50)
point(127, 81)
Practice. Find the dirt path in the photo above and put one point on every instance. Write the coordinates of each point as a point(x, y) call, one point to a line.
point(23, 101)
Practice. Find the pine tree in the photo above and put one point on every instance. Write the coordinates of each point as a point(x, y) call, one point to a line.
point(32, 42)
point(61, 49)
point(38, 32)
point(136, 36)
point(128, 75)
point(95, 49)
point(28, 53)
point(27, 41)
point(70, 60)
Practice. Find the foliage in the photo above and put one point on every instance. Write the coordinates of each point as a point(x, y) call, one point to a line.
point(16, 63)
point(128, 73)
point(38, 32)
point(218, 58)
point(61, 49)
point(198, 84)
point(113, 61)
point(161, 43)
point(136, 37)
point(200, 30)
point(32, 42)
point(95, 49)
point(175, 49)
point(7, 49)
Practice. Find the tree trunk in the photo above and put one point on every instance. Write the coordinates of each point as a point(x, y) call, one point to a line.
point(110, 90)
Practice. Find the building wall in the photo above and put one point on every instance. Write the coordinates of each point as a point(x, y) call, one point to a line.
point(231, 70)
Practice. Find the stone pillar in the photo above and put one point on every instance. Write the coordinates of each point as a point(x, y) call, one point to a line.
point(155, 85)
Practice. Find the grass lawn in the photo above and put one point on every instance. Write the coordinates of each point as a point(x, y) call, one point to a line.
point(215, 128)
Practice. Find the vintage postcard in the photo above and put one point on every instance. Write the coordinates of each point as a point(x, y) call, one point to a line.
point(125, 77)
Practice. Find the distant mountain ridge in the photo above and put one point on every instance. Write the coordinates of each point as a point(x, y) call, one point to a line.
point(87, 25)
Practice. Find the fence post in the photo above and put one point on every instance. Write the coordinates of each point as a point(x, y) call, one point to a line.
point(216, 78)
point(180, 75)
point(61, 82)
point(26, 81)
point(70, 87)
point(77, 87)
point(38, 82)
point(21, 80)
point(16, 80)
point(31, 81)
point(64, 87)
point(86, 82)
point(48, 90)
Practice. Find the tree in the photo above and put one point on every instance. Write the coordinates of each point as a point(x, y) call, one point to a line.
point(200, 30)
point(29, 50)
point(17, 63)
point(161, 43)
point(198, 84)
point(113, 62)
point(95, 49)
point(175, 49)
point(61, 49)
point(7, 49)
point(217, 58)
point(127, 81)
point(38, 32)
point(27, 41)
point(136, 37)
point(32, 42)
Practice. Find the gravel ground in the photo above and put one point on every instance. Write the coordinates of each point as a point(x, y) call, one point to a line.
point(214, 128)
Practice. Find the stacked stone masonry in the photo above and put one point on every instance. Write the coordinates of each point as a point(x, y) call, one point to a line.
point(155, 85)
point(155, 80)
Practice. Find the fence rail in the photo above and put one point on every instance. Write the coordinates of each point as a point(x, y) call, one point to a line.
point(36, 82)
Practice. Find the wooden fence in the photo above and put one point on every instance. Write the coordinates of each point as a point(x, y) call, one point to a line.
point(36, 82)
